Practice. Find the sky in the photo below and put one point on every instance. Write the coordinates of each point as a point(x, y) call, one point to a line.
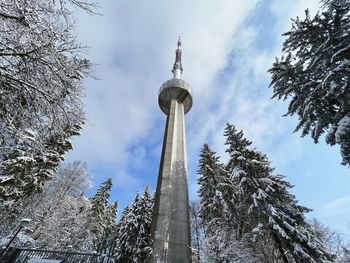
point(228, 46)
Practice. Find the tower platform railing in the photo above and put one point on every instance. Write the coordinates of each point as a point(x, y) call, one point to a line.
point(176, 83)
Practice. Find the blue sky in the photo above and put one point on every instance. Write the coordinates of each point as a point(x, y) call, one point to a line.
point(227, 48)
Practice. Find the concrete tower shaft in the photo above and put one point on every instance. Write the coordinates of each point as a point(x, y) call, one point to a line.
point(170, 222)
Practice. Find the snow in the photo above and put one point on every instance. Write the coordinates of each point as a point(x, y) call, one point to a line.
point(300, 251)
point(241, 158)
point(20, 240)
point(339, 51)
point(24, 239)
point(25, 220)
point(343, 128)
point(4, 241)
point(258, 228)
point(289, 227)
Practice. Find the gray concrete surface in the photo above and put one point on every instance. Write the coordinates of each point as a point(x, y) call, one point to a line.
point(170, 223)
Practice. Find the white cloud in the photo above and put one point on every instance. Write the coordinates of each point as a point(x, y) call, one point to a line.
point(133, 45)
point(340, 205)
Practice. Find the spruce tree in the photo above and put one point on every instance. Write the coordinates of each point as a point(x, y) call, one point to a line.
point(212, 211)
point(120, 229)
point(143, 214)
point(264, 209)
point(133, 240)
point(197, 231)
point(211, 176)
point(314, 73)
point(111, 228)
point(127, 235)
point(98, 215)
point(24, 172)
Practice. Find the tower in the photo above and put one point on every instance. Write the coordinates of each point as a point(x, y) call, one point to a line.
point(170, 222)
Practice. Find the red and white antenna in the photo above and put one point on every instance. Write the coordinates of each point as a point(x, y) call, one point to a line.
point(177, 68)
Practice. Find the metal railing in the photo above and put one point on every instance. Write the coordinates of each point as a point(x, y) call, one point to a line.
point(176, 83)
point(19, 255)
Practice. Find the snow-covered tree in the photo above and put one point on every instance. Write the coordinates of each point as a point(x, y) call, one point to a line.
point(67, 185)
point(211, 210)
point(212, 174)
point(220, 243)
point(314, 73)
point(197, 231)
point(230, 249)
point(41, 68)
point(127, 234)
point(98, 221)
point(110, 231)
point(264, 210)
point(60, 230)
point(58, 213)
point(121, 238)
point(338, 244)
point(143, 213)
point(133, 239)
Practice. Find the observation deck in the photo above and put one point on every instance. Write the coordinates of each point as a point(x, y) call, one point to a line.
point(175, 89)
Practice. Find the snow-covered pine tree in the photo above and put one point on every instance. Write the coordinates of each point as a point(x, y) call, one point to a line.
point(212, 174)
point(41, 69)
point(197, 231)
point(211, 211)
point(133, 240)
point(120, 238)
point(220, 242)
point(98, 223)
point(143, 213)
point(111, 228)
point(314, 72)
point(29, 170)
point(127, 233)
point(265, 210)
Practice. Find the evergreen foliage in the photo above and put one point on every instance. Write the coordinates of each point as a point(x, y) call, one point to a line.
point(197, 231)
point(264, 209)
point(247, 212)
point(215, 192)
point(110, 229)
point(133, 236)
point(143, 216)
point(98, 215)
point(314, 73)
point(121, 238)
point(211, 199)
